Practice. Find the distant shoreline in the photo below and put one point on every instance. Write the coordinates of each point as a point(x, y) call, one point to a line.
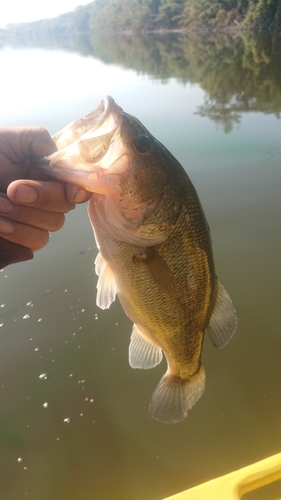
point(6, 33)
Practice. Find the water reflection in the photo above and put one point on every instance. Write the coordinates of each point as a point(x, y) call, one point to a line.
point(238, 74)
point(110, 448)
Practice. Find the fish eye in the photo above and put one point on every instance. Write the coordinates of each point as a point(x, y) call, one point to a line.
point(142, 143)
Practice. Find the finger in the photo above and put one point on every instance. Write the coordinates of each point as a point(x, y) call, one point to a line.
point(17, 145)
point(11, 172)
point(76, 194)
point(50, 221)
point(20, 143)
point(28, 236)
point(36, 141)
point(47, 196)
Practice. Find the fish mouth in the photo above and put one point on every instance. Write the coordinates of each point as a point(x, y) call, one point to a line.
point(88, 149)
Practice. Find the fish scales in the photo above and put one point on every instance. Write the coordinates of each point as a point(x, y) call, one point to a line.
point(155, 249)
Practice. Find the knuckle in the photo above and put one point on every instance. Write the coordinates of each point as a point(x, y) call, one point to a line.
point(31, 237)
point(52, 197)
point(42, 240)
point(58, 222)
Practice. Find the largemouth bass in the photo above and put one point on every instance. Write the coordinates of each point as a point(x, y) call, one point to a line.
point(154, 245)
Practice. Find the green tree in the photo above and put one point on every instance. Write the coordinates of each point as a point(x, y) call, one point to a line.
point(263, 14)
point(169, 13)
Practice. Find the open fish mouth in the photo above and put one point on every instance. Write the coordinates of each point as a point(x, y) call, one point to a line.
point(87, 147)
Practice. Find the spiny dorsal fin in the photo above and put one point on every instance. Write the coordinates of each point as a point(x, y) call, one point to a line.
point(223, 320)
point(158, 270)
point(142, 353)
point(106, 285)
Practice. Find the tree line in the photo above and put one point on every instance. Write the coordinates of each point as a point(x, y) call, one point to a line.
point(162, 15)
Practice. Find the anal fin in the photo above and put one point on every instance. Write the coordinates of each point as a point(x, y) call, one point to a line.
point(142, 353)
point(106, 285)
point(223, 320)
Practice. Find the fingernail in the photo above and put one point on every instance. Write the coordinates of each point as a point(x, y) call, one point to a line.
point(6, 227)
point(80, 196)
point(25, 194)
point(5, 205)
point(75, 194)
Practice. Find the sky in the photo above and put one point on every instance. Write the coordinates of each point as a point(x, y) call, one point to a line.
point(21, 11)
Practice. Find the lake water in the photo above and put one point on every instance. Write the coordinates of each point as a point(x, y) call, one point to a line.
point(73, 414)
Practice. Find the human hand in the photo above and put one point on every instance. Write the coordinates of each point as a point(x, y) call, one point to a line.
point(33, 205)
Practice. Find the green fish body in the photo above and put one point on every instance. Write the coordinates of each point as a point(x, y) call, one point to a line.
point(155, 249)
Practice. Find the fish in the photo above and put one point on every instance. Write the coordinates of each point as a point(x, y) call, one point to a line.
point(155, 250)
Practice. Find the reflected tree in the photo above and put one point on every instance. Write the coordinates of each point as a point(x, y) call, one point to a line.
point(238, 73)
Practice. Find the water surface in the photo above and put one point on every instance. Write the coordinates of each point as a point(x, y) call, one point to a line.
point(73, 419)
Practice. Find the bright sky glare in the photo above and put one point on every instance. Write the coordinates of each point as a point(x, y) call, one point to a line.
point(19, 11)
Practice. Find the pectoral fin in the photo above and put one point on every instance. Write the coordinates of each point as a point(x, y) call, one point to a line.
point(106, 285)
point(142, 353)
point(223, 321)
point(158, 270)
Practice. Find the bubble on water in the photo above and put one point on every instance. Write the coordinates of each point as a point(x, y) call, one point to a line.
point(67, 420)
point(43, 376)
point(66, 290)
point(45, 405)
point(26, 316)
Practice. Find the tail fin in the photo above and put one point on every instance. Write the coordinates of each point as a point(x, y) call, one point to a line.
point(173, 397)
